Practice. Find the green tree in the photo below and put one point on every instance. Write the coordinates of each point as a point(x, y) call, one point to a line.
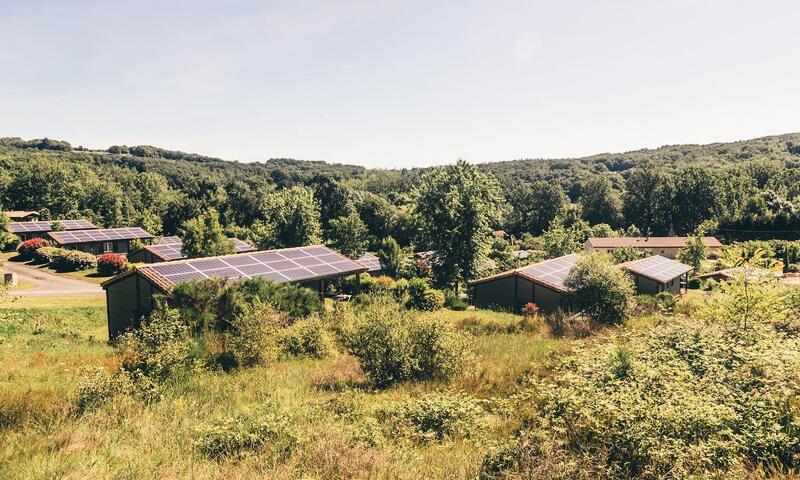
point(334, 200)
point(457, 206)
point(694, 253)
point(599, 290)
point(648, 200)
point(534, 206)
point(699, 195)
point(293, 220)
point(391, 256)
point(348, 235)
point(600, 203)
point(205, 237)
point(559, 240)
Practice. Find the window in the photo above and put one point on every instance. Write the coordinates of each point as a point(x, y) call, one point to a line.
point(108, 247)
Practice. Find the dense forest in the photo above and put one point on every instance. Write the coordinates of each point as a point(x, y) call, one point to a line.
point(748, 189)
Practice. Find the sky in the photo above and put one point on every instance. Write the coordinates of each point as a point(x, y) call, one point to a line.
point(399, 83)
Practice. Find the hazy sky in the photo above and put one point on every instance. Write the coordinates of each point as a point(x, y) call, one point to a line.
point(399, 83)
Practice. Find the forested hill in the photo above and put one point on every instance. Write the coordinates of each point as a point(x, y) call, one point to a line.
point(747, 186)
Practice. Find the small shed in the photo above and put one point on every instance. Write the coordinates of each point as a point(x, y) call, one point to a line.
point(40, 229)
point(371, 262)
point(664, 246)
point(98, 242)
point(22, 215)
point(131, 295)
point(541, 283)
point(167, 251)
point(657, 274)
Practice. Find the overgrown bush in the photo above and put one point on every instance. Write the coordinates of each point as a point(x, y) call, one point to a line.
point(422, 297)
point(240, 434)
point(250, 340)
point(394, 346)
point(563, 324)
point(100, 387)
point(294, 301)
point(72, 260)
point(111, 264)
point(454, 302)
point(434, 417)
point(158, 349)
point(306, 338)
point(27, 248)
point(683, 400)
point(599, 290)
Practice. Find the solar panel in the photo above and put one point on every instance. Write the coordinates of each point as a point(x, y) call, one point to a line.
point(46, 226)
point(167, 240)
point(658, 268)
point(551, 272)
point(101, 235)
point(288, 265)
point(370, 261)
point(167, 251)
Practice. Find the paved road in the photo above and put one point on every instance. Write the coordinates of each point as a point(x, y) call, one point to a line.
point(41, 283)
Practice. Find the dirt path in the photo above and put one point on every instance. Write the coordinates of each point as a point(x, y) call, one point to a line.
point(41, 283)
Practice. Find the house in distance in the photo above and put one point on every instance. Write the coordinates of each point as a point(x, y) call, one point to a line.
point(168, 249)
point(131, 295)
point(100, 241)
point(658, 274)
point(40, 229)
point(665, 246)
point(22, 215)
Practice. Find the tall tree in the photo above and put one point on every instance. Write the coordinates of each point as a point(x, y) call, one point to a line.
point(457, 206)
point(699, 196)
point(333, 198)
point(293, 219)
point(648, 200)
point(600, 203)
point(348, 235)
point(534, 206)
point(391, 256)
point(205, 237)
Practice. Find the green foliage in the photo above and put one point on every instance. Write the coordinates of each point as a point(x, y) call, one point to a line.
point(292, 220)
point(158, 349)
point(683, 400)
point(422, 297)
point(599, 202)
point(454, 302)
point(599, 290)
point(205, 237)
point(457, 206)
point(100, 387)
point(559, 240)
point(348, 235)
point(627, 254)
point(535, 206)
point(306, 338)
point(71, 260)
point(395, 346)
point(694, 253)
point(434, 418)
point(235, 436)
point(251, 339)
point(649, 200)
point(391, 256)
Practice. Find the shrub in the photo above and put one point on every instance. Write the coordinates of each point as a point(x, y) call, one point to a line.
point(682, 400)
point(46, 254)
point(240, 434)
point(98, 388)
point(306, 338)
point(422, 297)
point(251, 338)
point(73, 260)
point(10, 242)
point(295, 301)
point(394, 346)
point(599, 290)
point(693, 283)
point(27, 248)
point(454, 302)
point(158, 349)
point(434, 418)
point(562, 324)
point(111, 264)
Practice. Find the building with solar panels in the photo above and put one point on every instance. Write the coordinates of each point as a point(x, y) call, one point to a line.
point(371, 262)
point(40, 229)
point(540, 283)
point(658, 274)
point(22, 215)
point(168, 249)
point(131, 295)
point(100, 241)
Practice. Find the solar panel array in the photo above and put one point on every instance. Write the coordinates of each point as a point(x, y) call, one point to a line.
point(167, 240)
point(551, 272)
point(658, 268)
point(102, 235)
point(46, 226)
point(282, 266)
point(371, 262)
point(173, 251)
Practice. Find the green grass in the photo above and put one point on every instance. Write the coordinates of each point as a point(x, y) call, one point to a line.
point(91, 275)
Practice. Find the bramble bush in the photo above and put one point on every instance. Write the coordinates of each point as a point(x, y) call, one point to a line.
point(234, 436)
point(27, 248)
point(305, 338)
point(250, 340)
point(393, 345)
point(685, 399)
point(109, 264)
point(433, 418)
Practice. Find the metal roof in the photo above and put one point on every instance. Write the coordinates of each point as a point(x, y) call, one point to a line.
point(550, 273)
point(46, 226)
point(370, 261)
point(658, 268)
point(102, 235)
point(647, 242)
point(174, 250)
point(289, 265)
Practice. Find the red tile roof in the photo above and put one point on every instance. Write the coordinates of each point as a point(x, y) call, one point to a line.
point(647, 242)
